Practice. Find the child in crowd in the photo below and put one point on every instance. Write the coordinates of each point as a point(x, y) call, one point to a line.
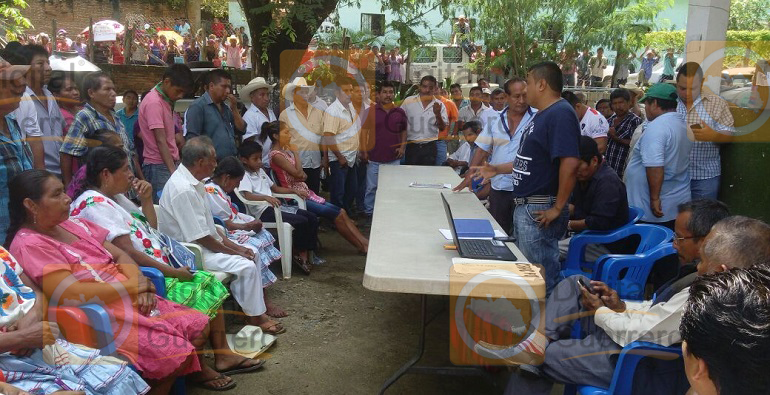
point(461, 159)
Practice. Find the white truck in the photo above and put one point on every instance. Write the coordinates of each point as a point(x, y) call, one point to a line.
point(441, 61)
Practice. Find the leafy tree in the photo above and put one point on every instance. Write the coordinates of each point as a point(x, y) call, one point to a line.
point(11, 19)
point(749, 14)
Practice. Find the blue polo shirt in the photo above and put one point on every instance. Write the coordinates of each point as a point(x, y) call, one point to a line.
point(497, 140)
point(204, 119)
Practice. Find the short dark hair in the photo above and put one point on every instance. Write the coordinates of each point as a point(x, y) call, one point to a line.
point(131, 92)
point(664, 103)
point(56, 83)
point(455, 85)
point(601, 101)
point(29, 51)
point(385, 84)
point(343, 80)
point(498, 91)
point(475, 126)
point(478, 81)
point(571, 98)
point(475, 88)
point(217, 75)
point(229, 166)
point(690, 69)
point(507, 85)
point(704, 214)
point(621, 93)
point(93, 81)
point(550, 72)
point(726, 323)
point(248, 149)
point(429, 78)
point(180, 76)
point(589, 149)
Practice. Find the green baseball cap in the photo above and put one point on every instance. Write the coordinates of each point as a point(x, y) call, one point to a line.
point(662, 91)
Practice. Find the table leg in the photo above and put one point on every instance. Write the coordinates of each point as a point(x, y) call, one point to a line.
point(409, 367)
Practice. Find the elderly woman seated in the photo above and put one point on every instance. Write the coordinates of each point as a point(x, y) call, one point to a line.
point(73, 263)
point(33, 360)
point(100, 200)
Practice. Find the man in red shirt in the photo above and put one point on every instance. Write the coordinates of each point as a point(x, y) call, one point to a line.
point(218, 28)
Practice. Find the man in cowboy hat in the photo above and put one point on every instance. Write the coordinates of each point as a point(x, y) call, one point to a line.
point(257, 92)
point(304, 122)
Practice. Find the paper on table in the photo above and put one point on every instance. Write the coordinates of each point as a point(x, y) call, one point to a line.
point(448, 235)
point(433, 186)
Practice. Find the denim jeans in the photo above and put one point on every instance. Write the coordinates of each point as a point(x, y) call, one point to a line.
point(361, 171)
point(441, 156)
point(705, 189)
point(342, 185)
point(372, 175)
point(157, 176)
point(540, 245)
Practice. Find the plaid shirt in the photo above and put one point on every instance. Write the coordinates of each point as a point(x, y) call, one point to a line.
point(617, 153)
point(87, 122)
point(713, 111)
point(15, 157)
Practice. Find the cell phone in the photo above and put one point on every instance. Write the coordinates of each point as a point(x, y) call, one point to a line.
point(586, 286)
point(696, 126)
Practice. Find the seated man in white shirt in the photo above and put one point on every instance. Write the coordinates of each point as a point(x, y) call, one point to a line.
point(461, 158)
point(592, 124)
point(185, 215)
point(610, 323)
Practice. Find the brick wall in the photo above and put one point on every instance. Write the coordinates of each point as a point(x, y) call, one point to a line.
point(72, 15)
point(142, 78)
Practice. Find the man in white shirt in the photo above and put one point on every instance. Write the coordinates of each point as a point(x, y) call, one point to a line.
point(425, 115)
point(592, 124)
point(185, 215)
point(612, 323)
point(473, 111)
point(597, 64)
point(340, 145)
point(304, 121)
point(497, 102)
point(257, 92)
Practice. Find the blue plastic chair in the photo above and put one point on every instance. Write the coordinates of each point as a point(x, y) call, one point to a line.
point(650, 237)
point(220, 222)
point(623, 379)
point(634, 268)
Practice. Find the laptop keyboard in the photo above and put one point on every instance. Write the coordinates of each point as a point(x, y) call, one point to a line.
point(478, 247)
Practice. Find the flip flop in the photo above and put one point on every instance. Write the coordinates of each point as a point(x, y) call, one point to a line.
point(274, 324)
point(304, 266)
point(211, 387)
point(238, 369)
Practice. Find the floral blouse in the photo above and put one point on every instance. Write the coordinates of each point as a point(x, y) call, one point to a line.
point(223, 207)
point(16, 299)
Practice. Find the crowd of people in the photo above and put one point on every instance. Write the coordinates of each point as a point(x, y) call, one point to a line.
point(88, 195)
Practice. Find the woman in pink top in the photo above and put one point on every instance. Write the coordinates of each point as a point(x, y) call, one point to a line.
point(234, 52)
point(73, 263)
point(67, 96)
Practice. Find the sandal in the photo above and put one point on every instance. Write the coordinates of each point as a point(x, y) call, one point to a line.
point(209, 385)
point(302, 264)
point(240, 368)
point(272, 327)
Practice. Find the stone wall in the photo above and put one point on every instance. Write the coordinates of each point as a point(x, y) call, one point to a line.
point(142, 78)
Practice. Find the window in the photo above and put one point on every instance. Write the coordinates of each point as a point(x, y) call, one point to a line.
point(452, 54)
point(373, 23)
point(425, 55)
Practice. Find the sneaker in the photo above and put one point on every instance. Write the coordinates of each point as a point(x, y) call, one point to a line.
point(531, 351)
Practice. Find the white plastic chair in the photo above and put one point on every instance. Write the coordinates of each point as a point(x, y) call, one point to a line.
point(283, 229)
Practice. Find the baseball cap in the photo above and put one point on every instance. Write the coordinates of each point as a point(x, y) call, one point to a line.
point(11, 72)
point(661, 91)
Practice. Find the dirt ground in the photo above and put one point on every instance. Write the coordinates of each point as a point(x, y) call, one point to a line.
point(344, 339)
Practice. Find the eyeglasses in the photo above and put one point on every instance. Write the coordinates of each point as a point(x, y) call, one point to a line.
point(678, 240)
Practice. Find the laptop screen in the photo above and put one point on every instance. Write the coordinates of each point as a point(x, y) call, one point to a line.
point(451, 223)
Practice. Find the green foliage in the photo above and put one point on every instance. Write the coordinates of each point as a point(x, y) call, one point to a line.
point(11, 19)
point(749, 14)
point(218, 8)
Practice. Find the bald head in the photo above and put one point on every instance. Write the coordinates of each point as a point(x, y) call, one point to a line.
point(735, 242)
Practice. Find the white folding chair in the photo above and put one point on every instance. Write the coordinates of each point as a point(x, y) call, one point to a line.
point(283, 229)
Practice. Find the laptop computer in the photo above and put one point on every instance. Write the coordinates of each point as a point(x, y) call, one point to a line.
point(477, 249)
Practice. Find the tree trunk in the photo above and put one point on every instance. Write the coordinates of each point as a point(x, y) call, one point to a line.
point(194, 14)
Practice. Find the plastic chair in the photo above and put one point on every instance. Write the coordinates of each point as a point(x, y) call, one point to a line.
point(650, 235)
point(219, 221)
point(283, 229)
point(635, 270)
point(623, 379)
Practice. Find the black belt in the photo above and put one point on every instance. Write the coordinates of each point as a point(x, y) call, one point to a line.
point(536, 199)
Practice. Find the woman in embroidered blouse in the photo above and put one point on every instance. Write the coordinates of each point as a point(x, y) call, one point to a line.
point(159, 337)
point(133, 231)
point(243, 228)
point(29, 342)
point(289, 174)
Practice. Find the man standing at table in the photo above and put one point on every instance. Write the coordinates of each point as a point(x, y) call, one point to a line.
point(544, 171)
point(425, 115)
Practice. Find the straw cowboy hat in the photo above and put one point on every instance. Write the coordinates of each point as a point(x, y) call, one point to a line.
point(250, 341)
point(298, 82)
point(256, 83)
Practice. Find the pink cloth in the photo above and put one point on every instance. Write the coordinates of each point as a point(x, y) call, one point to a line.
point(233, 56)
point(68, 118)
point(155, 113)
point(157, 346)
point(287, 181)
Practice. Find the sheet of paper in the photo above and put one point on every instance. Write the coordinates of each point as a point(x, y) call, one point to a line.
point(448, 235)
point(433, 186)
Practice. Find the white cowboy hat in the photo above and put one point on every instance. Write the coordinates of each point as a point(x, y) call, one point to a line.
point(250, 341)
point(256, 83)
point(299, 82)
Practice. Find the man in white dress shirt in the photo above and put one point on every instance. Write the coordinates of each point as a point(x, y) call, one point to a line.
point(257, 92)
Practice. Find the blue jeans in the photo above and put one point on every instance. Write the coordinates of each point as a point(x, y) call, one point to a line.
point(441, 156)
point(372, 175)
point(342, 185)
point(326, 210)
point(540, 245)
point(157, 176)
point(705, 189)
point(361, 171)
